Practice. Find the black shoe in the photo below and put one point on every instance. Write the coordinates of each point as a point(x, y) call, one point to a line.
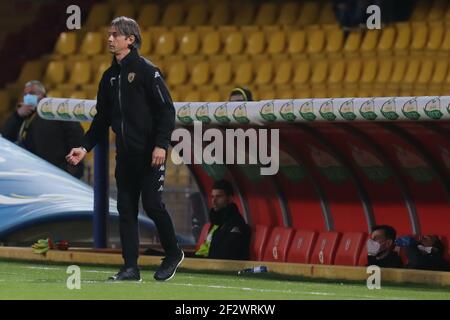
point(168, 267)
point(126, 274)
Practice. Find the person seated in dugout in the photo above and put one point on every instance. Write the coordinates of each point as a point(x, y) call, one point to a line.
point(240, 94)
point(380, 248)
point(229, 235)
point(425, 254)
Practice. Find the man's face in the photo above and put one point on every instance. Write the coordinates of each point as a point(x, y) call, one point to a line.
point(237, 97)
point(34, 90)
point(118, 43)
point(380, 237)
point(219, 199)
point(428, 241)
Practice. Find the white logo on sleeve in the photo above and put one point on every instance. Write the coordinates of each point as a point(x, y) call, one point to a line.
point(157, 74)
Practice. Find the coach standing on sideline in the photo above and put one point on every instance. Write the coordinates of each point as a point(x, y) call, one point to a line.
point(134, 100)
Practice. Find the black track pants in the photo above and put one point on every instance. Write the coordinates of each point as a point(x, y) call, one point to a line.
point(136, 176)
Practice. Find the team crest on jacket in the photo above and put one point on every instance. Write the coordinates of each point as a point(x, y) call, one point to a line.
point(131, 76)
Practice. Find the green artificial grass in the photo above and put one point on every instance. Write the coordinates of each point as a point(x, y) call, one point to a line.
point(23, 280)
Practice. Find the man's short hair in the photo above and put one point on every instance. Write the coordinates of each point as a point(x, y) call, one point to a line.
point(389, 232)
point(38, 84)
point(225, 186)
point(128, 27)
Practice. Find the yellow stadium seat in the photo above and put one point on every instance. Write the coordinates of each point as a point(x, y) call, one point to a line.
point(243, 13)
point(148, 15)
point(189, 43)
point(55, 73)
point(225, 31)
point(419, 36)
point(398, 74)
point(177, 73)
point(125, 10)
point(221, 74)
point(78, 95)
point(100, 15)
point(266, 94)
point(370, 42)
point(369, 73)
point(220, 14)
point(421, 10)
point(437, 10)
point(173, 15)
point(384, 72)
point(156, 32)
point(264, 73)
point(337, 72)
point(334, 42)
point(175, 95)
point(288, 13)
point(92, 44)
point(267, 14)
point(211, 44)
point(211, 96)
point(435, 38)
point(425, 73)
point(309, 13)
point(197, 15)
point(66, 43)
point(192, 96)
point(387, 40)
point(200, 74)
point(32, 70)
point(256, 43)
point(146, 44)
point(297, 42)
point(276, 43)
point(283, 73)
point(180, 31)
point(302, 74)
point(285, 93)
point(445, 48)
point(316, 41)
point(244, 73)
point(353, 73)
point(53, 93)
point(234, 43)
point(403, 40)
point(100, 70)
point(327, 15)
point(81, 73)
point(411, 72)
point(165, 44)
point(352, 43)
point(440, 73)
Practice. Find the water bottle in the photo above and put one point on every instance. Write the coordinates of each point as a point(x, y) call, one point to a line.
point(259, 269)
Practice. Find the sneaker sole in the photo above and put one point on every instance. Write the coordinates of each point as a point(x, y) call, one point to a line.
point(182, 258)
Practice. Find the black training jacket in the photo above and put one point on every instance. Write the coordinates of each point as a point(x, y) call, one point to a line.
point(133, 99)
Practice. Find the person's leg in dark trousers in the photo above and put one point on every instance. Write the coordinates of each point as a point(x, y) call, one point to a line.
point(152, 188)
point(128, 190)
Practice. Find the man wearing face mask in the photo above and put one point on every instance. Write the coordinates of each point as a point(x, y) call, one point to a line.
point(426, 254)
point(49, 140)
point(380, 248)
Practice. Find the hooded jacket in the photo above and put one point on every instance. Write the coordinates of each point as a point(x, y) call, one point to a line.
point(134, 100)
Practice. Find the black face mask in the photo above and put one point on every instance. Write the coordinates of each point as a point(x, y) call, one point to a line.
point(218, 217)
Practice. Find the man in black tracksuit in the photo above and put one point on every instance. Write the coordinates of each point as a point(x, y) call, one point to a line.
point(133, 99)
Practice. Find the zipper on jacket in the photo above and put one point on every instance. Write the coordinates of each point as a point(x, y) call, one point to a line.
point(121, 113)
point(160, 94)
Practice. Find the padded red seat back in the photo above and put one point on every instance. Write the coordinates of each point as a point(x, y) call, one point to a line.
point(350, 248)
point(302, 246)
point(325, 248)
point(203, 235)
point(278, 244)
point(260, 234)
point(362, 261)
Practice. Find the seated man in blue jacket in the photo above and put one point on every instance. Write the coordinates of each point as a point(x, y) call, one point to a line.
point(229, 235)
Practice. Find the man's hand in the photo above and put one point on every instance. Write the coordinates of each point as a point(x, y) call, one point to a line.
point(75, 156)
point(25, 110)
point(158, 156)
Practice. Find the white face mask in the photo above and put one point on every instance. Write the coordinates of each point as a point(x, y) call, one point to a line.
point(427, 250)
point(373, 247)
